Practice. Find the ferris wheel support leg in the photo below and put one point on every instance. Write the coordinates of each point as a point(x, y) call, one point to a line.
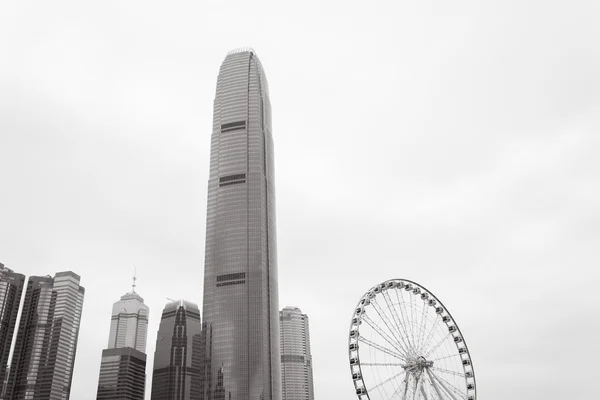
point(443, 385)
point(435, 386)
point(403, 395)
point(423, 393)
point(419, 386)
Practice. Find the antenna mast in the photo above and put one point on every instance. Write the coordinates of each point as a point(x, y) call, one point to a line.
point(134, 279)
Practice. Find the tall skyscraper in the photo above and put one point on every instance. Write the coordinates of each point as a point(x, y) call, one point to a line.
point(123, 367)
point(240, 277)
point(296, 360)
point(176, 373)
point(44, 354)
point(11, 288)
point(129, 323)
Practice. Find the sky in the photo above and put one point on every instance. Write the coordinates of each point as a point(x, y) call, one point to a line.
point(453, 143)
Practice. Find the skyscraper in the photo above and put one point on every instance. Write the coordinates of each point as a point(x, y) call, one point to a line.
point(123, 367)
point(44, 354)
point(11, 288)
point(129, 323)
point(176, 373)
point(240, 277)
point(296, 360)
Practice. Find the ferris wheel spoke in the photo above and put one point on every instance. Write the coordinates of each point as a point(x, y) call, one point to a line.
point(404, 315)
point(386, 321)
point(382, 348)
point(382, 364)
point(387, 380)
point(397, 321)
point(382, 334)
point(448, 387)
point(424, 320)
point(429, 335)
point(413, 320)
point(444, 357)
point(447, 371)
point(438, 344)
point(402, 321)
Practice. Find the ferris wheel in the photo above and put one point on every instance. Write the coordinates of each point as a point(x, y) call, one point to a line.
point(405, 345)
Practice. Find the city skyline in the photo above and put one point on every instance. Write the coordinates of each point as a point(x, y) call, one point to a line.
point(450, 144)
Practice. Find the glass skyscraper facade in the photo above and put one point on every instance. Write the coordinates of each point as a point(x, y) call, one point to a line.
point(11, 288)
point(296, 359)
point(240, 307)
point(176, 374)
point(44, 354)
point(123, 366)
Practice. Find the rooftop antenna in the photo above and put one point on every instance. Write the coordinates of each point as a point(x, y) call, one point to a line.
point(170, 299)
point(134, 279)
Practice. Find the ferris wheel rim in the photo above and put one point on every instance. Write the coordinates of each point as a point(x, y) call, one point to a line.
point(371, 294)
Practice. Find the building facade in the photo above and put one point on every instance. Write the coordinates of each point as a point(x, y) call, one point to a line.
point(46, 344)
point(240, 307)
point(123, 365)
point(122, 374)
point(11, 288)
point(176, 372)
point(296, 359)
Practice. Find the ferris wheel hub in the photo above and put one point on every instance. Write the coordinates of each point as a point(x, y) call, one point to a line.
point(416, 365)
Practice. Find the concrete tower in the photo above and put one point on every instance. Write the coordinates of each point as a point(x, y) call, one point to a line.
point(240, 278)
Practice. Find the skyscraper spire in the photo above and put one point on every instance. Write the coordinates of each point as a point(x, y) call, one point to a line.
point(134, 279)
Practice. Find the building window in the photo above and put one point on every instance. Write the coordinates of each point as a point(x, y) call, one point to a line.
point(232, 179)
point(237, 278)
point(233, 126)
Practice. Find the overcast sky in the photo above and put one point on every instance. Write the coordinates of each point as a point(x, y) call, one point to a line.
point(454, 143)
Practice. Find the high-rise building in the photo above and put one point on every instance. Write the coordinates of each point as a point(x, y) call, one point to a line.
point(240, 307)
point(296, 359)
point(176, 374)
point(11, 288)
point(44, 354)
point(123, 366)
point(129, 323)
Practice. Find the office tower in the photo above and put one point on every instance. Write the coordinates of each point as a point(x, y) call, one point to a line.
point(11, 288)
point(296, 361)
point(240, 277)
point(129, 323)
point(123, 366)
point(44, 354)
point(176, 373)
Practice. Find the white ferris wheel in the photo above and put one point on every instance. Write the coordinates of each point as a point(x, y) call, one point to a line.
point(405, 345)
